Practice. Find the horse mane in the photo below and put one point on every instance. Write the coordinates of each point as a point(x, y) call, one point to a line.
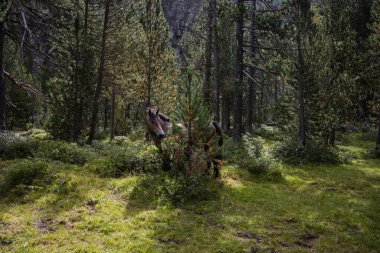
point(164, 117)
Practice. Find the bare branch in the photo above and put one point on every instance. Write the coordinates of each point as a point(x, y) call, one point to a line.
point(25, 86)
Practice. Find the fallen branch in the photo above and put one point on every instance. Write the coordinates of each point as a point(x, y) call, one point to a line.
point(25, 86)
point(9, 101)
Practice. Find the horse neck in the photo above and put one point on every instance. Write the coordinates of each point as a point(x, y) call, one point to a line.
point(164, 125)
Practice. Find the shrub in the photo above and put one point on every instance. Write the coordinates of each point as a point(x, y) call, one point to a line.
point(269, 132)
point(292, 151)
point(374, 153)
point(62, 184)
point(38, 134)
point(64, 152)
point(27, 173)
point(173, 189)
point(250, 154)
point(13, 146)
point(126, 157)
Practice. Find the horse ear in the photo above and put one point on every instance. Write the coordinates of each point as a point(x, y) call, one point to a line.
point(150, 112)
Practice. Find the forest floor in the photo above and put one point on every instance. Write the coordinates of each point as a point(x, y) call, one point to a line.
point(321, 208)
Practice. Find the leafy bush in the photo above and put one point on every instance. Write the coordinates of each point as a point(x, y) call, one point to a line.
point(13, 146)
point(374, 153)
point(64, 152)
point(250, 154)
point(269, 132)
point(38, 134)
point(173, 189)
point(292, 151)
point(62, 184)
point(125, 158)
point(27, 173)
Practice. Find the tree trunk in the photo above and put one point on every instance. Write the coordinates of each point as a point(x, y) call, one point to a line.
point(226, 111)
point(378, 128)
point(2, 80)
point(105, 125)
point(251, 89)
point(77, 84)
point(208, 54)
point(78, 124)
point(238, 93)
point(113, 110)
point(99, 84)
point(216, 63)
point(301, 103)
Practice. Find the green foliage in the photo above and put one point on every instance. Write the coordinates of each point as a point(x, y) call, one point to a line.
point(14, 146)
point(25, 173)
point(292, 151)
point(173, 189)
point(38, 134)
point(193, 117)
point(250, 154)
point(64, 152)
point(126, 157)
point(190, 109)
point(269, 132)
point(374, 153)
point(62, 184)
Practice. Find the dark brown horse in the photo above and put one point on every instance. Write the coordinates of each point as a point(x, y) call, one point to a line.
point(158, 126)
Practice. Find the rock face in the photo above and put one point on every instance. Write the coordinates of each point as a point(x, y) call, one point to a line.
point(180, 15)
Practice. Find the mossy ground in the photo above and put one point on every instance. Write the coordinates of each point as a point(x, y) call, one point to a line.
point(314, 209)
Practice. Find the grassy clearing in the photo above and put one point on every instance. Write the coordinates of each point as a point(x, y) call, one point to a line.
point(314, 209)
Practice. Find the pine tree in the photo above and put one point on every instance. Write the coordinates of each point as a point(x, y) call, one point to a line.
point(374, 61)
point(191, 111)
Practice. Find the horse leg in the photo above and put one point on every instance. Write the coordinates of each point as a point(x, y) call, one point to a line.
point(165, 161)
point(208, 167)
point(165, 166)
point(216, 168)
point(206, 150)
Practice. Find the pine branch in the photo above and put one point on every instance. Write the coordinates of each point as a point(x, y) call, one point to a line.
point(25, 86)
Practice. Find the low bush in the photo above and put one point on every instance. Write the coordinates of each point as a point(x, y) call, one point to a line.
point(269, 132)
point(62, 184)
point(38, 134)
point(374, 153)
point(64, 152)
point(26, 173)
point(126, 157)
point(250, 154)
point(293, 152)
point(173, 189)
point(13, 146)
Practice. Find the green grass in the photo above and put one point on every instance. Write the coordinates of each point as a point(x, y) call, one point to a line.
point(314, 209)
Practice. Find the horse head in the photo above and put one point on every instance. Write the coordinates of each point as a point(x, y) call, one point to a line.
point(157, 125)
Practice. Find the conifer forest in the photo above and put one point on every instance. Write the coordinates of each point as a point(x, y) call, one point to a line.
point(190, 126)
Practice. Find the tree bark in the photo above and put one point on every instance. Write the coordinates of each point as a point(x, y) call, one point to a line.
point(300, 80)
point(83, 78)
point(208, 54)
point(238, 93)
point(251, 89)
point(76, 80)
point(226, 111)
point(99, 84)
point(378, 128)
point(113, 110)
point(2, 80)
point(105, 125)
point(217, 83)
